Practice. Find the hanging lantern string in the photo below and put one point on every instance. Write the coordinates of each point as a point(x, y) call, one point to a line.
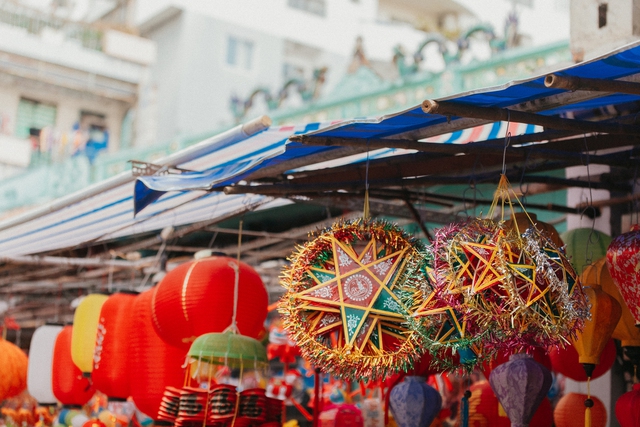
point(233, 327)
point(589, 253)
point(365, 210)
point(588, 403)
point(507, 141)
point(464, 405)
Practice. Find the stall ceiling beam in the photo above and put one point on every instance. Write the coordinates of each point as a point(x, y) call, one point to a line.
point(77, 262)
point(572, 83)
point(495, 114)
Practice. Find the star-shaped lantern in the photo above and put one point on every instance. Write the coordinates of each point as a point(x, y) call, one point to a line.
point(343, 304)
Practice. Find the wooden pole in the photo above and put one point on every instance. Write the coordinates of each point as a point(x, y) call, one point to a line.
point(597, 85)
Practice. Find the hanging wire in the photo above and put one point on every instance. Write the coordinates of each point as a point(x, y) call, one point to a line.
point(592, 234)
point(365, 211)
point(507, 142)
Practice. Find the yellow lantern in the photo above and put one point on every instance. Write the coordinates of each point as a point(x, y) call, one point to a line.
point(85, 327)
point(625, 331)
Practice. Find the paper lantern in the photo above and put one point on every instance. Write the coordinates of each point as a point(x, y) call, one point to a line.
point(341, 415)
point(570, 412)
point(626, 330)
point(584, 246)
point(566, 361)
point(198, 297)
point(414, 403)
point(623, 258)
point(520, 385)
point(85, 328)
point(40, 370)
point(13, 370)
point(111, 355)
point(524, 220)
point(485, 410)
point(628, 408)
point(344, 300)
point(69, 386)
point(153, 364)
point(605, 313)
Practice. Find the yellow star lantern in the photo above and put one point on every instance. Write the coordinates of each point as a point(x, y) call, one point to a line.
point(344, 301)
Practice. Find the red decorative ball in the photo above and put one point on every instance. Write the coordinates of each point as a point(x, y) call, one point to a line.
point(570, 408)
point(111, 355)
point(565, 361)
point(628, 408)
point(94, 423)
point(68, 384)
point(198, 298)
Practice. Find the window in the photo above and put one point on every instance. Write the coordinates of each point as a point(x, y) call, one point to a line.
point(32, 117)
point(317, 7)
point(239, 52)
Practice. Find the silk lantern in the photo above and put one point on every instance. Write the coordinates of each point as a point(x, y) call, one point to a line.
point(85, 327)
point(605, 314)
point(414, 403)
point(111, 355)
point(154, 364)
point(198, 298)
point(520, 385)
point(569, 411)
point(485, 410)
point(539, 354)
point(40, 369)
point(69, 386)
point(625, 331)
point(623, 258)
point(584, 246)
point(524, 220)
point(13, 370)
point(628, 408)
point(566, 361)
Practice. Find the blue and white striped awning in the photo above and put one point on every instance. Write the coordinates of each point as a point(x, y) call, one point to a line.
point(110, 214)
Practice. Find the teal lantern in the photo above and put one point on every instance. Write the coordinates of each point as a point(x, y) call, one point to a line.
point(585, 246)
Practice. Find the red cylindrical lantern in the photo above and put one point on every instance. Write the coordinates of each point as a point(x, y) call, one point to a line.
point(566, 361)
point(70, 387)
point(198, 297)
point(110, 373)
point(628, 408)
point(154, 364)
point(13, 370)
point(569, 411)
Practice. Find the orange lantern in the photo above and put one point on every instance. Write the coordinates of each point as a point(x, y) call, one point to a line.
point(13, 370)
point(605, 313)
point(198, 298)
point(569, 411)
point(154, 364)
point(70, 387)
point(111, 355)
point(524, 220)
point(625, 331)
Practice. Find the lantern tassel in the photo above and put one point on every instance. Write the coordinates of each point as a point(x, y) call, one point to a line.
point(588, 404)
point(464, 409)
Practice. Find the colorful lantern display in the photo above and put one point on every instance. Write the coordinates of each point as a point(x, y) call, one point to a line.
point(85, 328)
point(154, 364)
point(570, 412)
point(70, 387)
point(625, 331)
point(623, 258)
point(111, 355)
point(198, 297)
point(414, 403)
point(343, 305)
point(584, 246)
point(520, 385)
point(13, 369)
point(485, 410)
point(493, 288)
point(566, 361)
point(40, 370)
point(628, 408)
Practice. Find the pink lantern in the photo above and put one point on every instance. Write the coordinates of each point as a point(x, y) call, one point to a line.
point(623, 257)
